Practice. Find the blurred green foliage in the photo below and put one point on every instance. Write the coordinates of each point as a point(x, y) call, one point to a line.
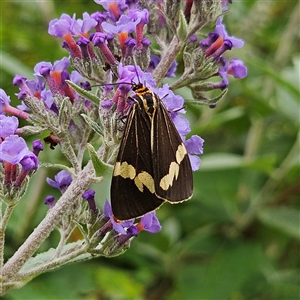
point(238, 238)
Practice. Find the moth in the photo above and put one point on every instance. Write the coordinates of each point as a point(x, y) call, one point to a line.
point(152, 165)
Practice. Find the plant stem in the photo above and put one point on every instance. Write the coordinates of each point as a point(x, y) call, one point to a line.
point(8, 211)
point(33, 242)
point(166, 60)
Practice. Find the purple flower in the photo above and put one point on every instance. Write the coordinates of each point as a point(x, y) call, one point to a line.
point(118, 226)
point(107, 4)
point(40, 67)
point(8, 125)
point(89, 196)
point(86, 85)
point(181, 123)
point(221, 31)
point(150, 223)
point(58, 66)
point(224, 76)
point(124, 24)
point(4, 101)
point(146, 43)
point(48, 100)
point(171, 101)
point(131, 74)
point(61, 180)
point(65, 24)
point(50, 201)
point(219, 41)
point(30, 87)
point(67, 27)
point(193, 38)
point(142, 16)
point(154, 61)
point(56, 76)
point(237, 68)
point(29, 162)
point(37, 147)
point(86, 24)
point(224, 4)
point(22, 106)
point(130, 46)
point(99, 17)
point(194, 146)
point(99, 40)
point(132, 231)
point(107, 104)
point(13, 149)
point(115, 8)
point(211, 38)
point(44, 69)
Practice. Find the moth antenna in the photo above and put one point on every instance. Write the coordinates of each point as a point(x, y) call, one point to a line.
point(115, 83)
point(136, 71)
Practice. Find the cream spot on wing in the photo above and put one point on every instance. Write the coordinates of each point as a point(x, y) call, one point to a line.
point(168, 179)
point(180, 153)
point(124, 170)
point(144, 179)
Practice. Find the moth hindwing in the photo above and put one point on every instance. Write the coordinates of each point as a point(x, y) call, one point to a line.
point(152, 164)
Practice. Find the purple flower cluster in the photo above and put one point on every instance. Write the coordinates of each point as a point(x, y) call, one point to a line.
point(215, 45)
point(128, 229)
point(122, 231)
point(55, 77)
point(14, 151)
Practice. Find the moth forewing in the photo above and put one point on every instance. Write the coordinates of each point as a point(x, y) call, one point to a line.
point(171, 165)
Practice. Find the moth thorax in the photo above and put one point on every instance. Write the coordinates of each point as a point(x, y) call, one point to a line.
point(149, 102)
point(141, 90)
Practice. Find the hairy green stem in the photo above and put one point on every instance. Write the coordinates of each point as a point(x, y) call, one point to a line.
point(166, 60)
point(42, 231)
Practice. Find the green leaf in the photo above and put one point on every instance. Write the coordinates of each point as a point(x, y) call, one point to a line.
point(182, 28)
point(94, 125)
point(64, 111)
point(84, 93)
point(202, 99)
point(100, 167)
point(285, 219)
point(58, 166)
point(43, 258)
